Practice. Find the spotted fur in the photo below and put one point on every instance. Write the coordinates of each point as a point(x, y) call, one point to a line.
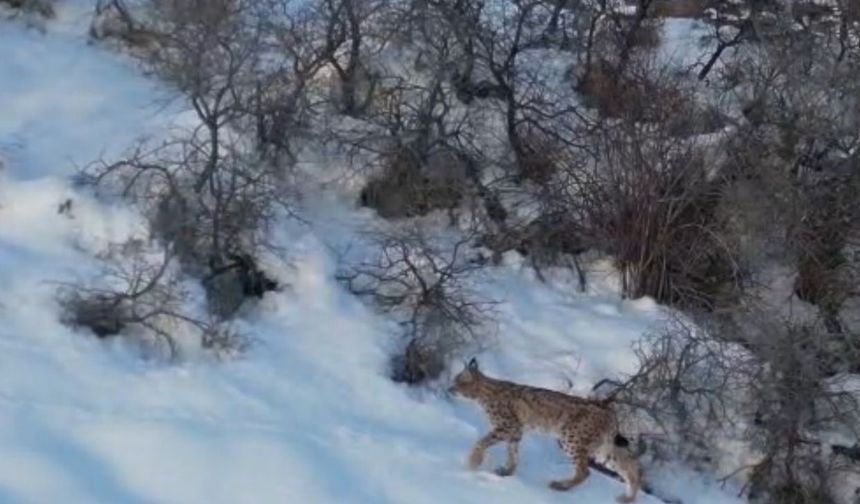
point(585, 428)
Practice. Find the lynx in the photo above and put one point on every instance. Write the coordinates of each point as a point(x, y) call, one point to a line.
point(586, 428)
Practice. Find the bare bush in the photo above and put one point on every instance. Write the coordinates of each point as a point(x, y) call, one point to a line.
point(781, 390)
point(679, 8)
point(123, 20)
point(245, 67)
point(418, 149)
point(43, 8)
point(346, 25)
point(295, 47)
point(409, 186)
point(797, 153)
point(210, 229)
point(651, 204)
point(137, 291)
point(798, 150)
point(426, 284)
point(209, 191)
point(689, 391)
point(797, 400)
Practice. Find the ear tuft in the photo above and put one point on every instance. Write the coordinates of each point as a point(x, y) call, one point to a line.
point(473, 365)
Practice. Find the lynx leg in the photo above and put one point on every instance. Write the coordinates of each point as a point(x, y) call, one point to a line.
point(476, 456)
point(628, 468)
point(513, 458)
point(576, 449)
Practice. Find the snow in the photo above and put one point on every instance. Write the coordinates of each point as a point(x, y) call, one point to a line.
point(308, 415)
point(682, 43)
point(66, 102)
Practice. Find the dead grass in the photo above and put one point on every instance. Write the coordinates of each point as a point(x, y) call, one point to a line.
point(634, 95)
point(539, 163)
point(409, 188)
point(648, 36)
point(679, 8)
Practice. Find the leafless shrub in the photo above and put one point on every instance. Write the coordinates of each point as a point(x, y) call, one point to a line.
point(826, 275)
point(123, 20)
point(647, 36)
point(348, 24)
point(417, 148)
point(208, 191)
point(616, 36)
point(245, 66)
point(493, 55)
point(137, 291)
point(651, 204)
point(223, 342)
point(296, 45)
point(777, 386)
point(797, 398)
point(208, 230)
point(644, 93)
point(539, 158)
point(43, 8)
point(798, 151)
point(553, 238)
point(679, 8)
point(689, 390)
point(798, 154)
point(409, 186)
point(603, 91)
point(426, 284)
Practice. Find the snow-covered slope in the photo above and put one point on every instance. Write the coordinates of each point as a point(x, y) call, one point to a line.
point(308, 415)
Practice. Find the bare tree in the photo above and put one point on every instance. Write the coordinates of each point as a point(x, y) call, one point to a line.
point(210, 191)
point(426, 284)
point(347, 23)
point(127, 21)
point(296, 47)
point(209, 52)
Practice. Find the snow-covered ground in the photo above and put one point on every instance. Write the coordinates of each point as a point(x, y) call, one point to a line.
point(308, 415)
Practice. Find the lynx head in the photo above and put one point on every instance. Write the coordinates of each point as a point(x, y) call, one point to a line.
point(467, 381)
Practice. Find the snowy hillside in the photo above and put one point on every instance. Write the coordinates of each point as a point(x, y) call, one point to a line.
point(308, 414)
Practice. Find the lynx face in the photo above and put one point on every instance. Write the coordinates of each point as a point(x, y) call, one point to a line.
point(466, 383)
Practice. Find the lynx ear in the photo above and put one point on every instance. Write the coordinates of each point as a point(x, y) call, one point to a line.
point(473, 365)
